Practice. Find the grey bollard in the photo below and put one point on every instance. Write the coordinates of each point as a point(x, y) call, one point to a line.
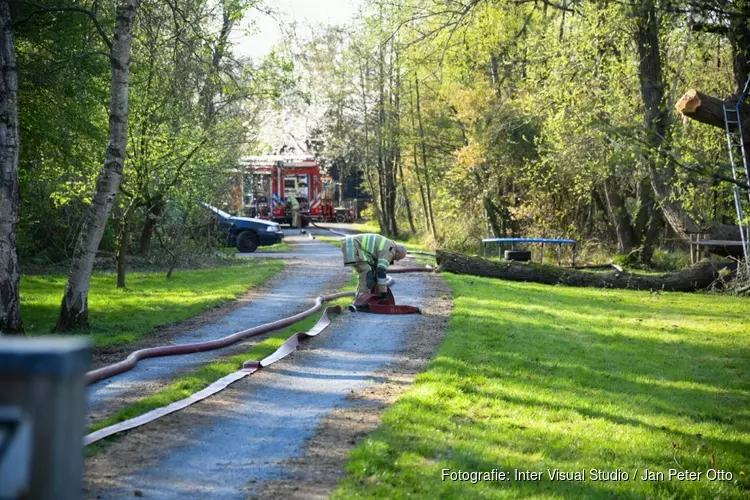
point(42, 417)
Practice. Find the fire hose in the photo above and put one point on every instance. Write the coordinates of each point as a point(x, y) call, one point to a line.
point(248, 368)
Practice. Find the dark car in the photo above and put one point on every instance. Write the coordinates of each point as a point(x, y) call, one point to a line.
point(246, 233)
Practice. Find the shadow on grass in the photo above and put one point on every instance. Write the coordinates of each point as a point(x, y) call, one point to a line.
point(535, 377)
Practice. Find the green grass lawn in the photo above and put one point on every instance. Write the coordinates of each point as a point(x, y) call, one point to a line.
point(118, 316)
point(278, 247)
point(534, 377)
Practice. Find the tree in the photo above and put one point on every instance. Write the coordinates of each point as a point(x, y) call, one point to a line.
point(74, 306)
point(10, 276)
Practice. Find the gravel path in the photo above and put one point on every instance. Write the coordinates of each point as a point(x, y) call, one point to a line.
point(229, 446)
point(314, 267)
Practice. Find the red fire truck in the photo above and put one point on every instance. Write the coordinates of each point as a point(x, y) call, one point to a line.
point(269, 181)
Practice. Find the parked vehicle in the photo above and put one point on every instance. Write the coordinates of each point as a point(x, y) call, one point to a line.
point(344, 214)
point(267, 182)
point(247, 233)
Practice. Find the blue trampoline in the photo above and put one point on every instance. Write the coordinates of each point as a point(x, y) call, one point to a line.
point(529, 240)
point(552, 241)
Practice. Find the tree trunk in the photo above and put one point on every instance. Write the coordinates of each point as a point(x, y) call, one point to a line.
point(123, 237)
point(697, 277)
point(424, 162)
point(342, 186)
point(491, 210)
point(395, 163)
point(651, 235)
point(122, 248)
point(10, 275)
point(416, 166)
point(74, 309)
point(406, 199)
point(656, 119)
point(618, 213)
point(153, 212)
point(739, 36)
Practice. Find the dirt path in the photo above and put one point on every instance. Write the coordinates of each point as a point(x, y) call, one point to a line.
point(248, 440)
point(318, 471)
point(314, 268)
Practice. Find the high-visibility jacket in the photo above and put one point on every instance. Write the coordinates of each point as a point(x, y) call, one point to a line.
point(374, 249)
point(293, 203)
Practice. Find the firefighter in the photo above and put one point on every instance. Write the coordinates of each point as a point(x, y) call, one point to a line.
point(294, 207)
point(370, 255)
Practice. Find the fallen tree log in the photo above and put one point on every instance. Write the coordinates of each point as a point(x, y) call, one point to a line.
point(697, 277)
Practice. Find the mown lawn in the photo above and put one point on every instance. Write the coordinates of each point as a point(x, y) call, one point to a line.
point(118, 316)
point(533, 377)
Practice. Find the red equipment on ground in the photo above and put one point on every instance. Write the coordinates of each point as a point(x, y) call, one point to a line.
point(371, 302)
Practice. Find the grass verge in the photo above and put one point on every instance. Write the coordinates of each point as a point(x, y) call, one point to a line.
point(330, 240)
point(193, 382)
point(119, 316)
point(278, 247)
point(532, 377)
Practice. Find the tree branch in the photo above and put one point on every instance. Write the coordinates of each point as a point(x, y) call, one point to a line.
point(45, 10)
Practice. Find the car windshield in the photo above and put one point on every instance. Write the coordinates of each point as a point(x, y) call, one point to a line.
point(218, 212)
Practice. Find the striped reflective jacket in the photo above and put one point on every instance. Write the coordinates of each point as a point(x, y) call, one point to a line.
point(378, 251)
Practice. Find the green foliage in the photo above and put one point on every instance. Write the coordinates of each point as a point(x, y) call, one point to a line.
point(194, 109)
point(534, 377)
point(527, 110)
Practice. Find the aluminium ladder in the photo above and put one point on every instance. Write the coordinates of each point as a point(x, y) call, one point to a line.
point(739, 162)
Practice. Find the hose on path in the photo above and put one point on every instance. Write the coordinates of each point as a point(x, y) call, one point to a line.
point(248, 368)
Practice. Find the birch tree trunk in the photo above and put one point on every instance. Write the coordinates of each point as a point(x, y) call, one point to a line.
point(74, 309)
point(10, 275)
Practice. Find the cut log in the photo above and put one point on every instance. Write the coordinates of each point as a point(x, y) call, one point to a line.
point(708, 109)
point(697, 277)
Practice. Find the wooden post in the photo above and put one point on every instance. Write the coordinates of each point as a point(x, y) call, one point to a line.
point(573, 256)
point(43, 392)
point(706, 252)
point(692, 248)
point(541, 259)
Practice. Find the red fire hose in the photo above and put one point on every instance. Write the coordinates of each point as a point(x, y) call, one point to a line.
point(172, 350)
point(248, 368)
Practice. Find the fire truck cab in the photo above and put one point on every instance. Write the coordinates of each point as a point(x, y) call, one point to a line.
point(269, 181)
